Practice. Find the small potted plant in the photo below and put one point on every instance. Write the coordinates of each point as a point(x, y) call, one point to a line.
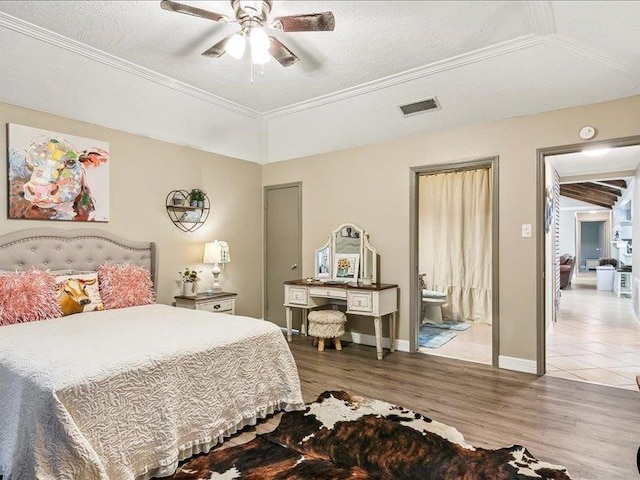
point(196, 198)
point(190, 281)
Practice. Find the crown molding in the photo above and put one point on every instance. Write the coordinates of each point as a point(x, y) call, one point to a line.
point(591, 54)
point(50, 37)
point(458, 61)
point(541, 17)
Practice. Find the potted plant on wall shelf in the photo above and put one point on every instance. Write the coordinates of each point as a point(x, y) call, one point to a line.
point(190, 281)
point(196, 198)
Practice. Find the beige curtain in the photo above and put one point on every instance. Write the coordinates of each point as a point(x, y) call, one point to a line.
point(455, 241)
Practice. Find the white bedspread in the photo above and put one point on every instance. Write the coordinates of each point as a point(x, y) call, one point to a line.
point(126, 393)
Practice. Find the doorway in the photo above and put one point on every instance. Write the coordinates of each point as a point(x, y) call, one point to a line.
point(283, 245)
point(592, 243)
point(454, 284)
point(588, 328)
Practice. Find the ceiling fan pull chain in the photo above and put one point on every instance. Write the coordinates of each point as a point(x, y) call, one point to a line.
point(251, 63)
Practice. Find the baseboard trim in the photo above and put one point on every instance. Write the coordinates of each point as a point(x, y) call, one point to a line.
point(364, 339)
point(517, 364)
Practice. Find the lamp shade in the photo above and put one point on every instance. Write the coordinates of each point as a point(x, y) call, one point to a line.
point(216, 252)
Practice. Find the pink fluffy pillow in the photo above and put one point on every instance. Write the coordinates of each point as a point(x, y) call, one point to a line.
point(125, 285)
point(27, 296)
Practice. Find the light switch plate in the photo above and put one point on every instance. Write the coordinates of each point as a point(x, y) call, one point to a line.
point(526, 230)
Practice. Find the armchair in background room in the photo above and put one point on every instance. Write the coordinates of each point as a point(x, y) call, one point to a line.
point(567, 264)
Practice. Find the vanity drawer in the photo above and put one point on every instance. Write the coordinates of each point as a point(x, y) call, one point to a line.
point(360, 302)
point(328, 292)
point(297, 295)
point(221, 306)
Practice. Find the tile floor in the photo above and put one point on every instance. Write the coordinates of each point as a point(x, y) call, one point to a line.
point(596, 338)
point(473, 345)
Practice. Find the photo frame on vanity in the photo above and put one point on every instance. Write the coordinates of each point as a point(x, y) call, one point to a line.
point(346, 267)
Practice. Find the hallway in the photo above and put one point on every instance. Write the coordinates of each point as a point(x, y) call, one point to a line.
point(596, 338)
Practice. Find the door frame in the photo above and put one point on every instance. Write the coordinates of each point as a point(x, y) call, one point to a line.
point(266, 189)
point(541, 154)
point(414, 298)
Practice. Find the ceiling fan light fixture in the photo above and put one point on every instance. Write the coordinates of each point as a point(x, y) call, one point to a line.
point(236, 46)
point(251, 7)
point(259, 46)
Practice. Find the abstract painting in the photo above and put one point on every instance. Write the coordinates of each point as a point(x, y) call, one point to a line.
point(56, 176)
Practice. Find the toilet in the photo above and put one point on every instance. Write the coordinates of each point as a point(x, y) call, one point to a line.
point(432, 303)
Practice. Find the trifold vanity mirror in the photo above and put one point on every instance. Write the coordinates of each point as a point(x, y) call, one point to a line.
point(347, 257)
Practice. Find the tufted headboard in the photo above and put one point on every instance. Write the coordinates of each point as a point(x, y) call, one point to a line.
point(79, 249)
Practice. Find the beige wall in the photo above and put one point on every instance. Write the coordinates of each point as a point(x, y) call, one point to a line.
point(142, 172)
point(369, 186)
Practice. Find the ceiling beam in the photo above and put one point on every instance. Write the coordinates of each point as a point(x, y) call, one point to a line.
point(616, 183)
point(602, 188)
point(594, 195)
point(582, 199)
point(585, 188)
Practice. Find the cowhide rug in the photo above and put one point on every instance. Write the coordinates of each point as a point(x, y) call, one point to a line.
point(342, 436)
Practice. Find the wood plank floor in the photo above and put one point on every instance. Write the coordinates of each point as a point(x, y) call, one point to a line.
point(593, 430)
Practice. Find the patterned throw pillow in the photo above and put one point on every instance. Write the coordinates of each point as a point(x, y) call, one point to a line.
point(125, 285)
point(27, 296)
point(78, 292)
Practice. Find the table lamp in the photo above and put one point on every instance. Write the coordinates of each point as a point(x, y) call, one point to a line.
point(216, 252)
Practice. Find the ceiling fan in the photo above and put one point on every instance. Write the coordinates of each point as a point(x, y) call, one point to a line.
point(253, 18)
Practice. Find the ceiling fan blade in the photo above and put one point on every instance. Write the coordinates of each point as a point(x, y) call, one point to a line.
point(195, 11)
point(218, 49)
point(311, 22)
point(281, 53)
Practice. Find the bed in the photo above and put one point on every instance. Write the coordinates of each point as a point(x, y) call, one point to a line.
point(127, 393)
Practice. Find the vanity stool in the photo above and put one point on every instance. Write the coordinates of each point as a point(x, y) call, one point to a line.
point(326, 324)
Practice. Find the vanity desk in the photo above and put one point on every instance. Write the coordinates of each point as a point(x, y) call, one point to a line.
point(346, 274)
point(377, 300)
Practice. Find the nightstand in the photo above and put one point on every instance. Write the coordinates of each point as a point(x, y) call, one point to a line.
point(223, 302)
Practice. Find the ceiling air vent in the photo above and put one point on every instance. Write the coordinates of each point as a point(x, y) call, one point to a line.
point(420, 107)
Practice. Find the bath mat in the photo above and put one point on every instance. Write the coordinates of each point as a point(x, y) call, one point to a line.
point(459, 326)
point(342, 436)
point(433, 337)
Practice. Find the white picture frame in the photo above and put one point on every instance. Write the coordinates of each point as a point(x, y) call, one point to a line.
point(346, 267)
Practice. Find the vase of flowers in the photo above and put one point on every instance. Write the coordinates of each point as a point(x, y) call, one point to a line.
point(190, 281)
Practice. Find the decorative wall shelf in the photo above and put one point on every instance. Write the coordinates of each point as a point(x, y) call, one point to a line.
point(184, 216)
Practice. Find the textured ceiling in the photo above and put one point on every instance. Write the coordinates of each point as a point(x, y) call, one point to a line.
point(132, 66)
point(371, 40)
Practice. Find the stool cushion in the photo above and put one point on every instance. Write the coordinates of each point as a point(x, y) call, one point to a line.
point(326, 323)
point(327, 316)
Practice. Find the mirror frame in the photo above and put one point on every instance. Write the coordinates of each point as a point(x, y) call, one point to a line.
point(364, 271)
point(329, 274)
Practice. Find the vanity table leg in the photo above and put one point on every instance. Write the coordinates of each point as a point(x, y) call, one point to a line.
point(377, 323)
point(392, 332)
point(304, 323)
point(288, 315)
